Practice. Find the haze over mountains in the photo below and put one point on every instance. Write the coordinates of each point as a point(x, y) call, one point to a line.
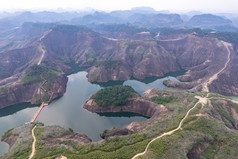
point(112, 46)
point(141, 16)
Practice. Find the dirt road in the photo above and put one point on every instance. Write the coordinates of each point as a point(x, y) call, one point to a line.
point(201, 100)
point(41, 48)
point(33, 144)
point(215, 76)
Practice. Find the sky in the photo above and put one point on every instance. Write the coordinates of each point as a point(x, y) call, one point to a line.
point(221, 6)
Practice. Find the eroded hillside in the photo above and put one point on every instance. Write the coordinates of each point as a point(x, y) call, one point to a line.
point(208, 61)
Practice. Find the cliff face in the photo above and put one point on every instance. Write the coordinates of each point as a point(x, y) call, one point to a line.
point(136, 105)
point(19, 92)
point(59, 85)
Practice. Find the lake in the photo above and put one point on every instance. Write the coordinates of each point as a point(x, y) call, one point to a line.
point(67, 111)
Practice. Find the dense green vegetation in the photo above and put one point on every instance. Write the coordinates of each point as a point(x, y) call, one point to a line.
point(113, 96)
point(32, 74)
point(163, 100)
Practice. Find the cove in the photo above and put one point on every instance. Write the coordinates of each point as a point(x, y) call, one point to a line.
point(67, 111)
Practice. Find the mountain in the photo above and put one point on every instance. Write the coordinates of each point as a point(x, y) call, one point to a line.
point(194, 121)
point(124, 14)
point(136, 55)
point(187, 16)
point(97, 18)
point(235, 21)
point(155, 20)
point(208, 19)
point(17, 20)
point(142, 17)
point(22, 36)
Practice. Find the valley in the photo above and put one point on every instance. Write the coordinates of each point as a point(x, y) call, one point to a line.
point(138, 83)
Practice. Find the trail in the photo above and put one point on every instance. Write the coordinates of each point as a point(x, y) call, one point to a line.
point(177, 39)
point(42, 50)
point(38, 112)
point(42, 54)
point(201, 100)
point(43, 104)
point(215, 76)
point(234, 101)
point(33, 144)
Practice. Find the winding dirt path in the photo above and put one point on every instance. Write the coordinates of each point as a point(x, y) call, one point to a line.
point(42, 50)
point(33, 144)
point(215, 76)
point(201, 100)
point(42, 54)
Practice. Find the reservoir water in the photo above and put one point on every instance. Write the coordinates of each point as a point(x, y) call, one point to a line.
point(67, 111)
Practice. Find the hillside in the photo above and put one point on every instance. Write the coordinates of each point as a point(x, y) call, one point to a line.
point(213, 22)
point(208, 19)
point(208, 130)
point(63, 46)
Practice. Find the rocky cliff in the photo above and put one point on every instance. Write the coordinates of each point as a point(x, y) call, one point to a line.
point(137, 105)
